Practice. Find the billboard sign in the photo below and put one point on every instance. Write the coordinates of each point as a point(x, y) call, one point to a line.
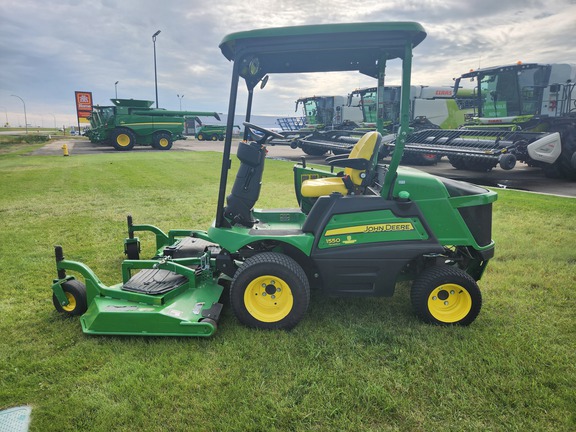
point(83, 106)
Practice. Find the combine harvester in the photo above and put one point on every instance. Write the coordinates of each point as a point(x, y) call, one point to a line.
point(524, 112)
point(430, 108)
point(131, 122)
point(356, 233)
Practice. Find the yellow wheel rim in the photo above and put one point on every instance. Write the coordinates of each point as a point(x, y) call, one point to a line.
point(123, 140)
point(268, 298)
point(163, 142)
point(449, 303)
point(71, 302)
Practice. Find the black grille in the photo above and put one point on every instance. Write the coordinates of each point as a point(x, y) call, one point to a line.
point(479, 222)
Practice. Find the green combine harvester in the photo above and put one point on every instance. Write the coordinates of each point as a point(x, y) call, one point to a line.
point(131, 122)
point(360, 228)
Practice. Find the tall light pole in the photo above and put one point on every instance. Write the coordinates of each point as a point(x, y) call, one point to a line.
point(25, 118)
point(155, 73)
point(180, 97)
point(116, 89)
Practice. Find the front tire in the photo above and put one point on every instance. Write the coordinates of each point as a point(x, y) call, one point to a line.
point(123, 139)
point(446, 295)
point(270, 291)
point(76, 294)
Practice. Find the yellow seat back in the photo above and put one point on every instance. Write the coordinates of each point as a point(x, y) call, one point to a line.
point(364, 149)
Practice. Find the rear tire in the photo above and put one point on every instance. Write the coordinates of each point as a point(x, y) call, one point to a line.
point(76, 293)
point(457, 162)
point(270, 291)
point(313, 151)
point(162, 141)
point(445, 295)
point(123, 139)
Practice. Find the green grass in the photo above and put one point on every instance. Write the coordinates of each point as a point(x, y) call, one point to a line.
point(351, 365)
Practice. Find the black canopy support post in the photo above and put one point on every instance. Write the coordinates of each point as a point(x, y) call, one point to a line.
point(404, 128)
point(380, 93)
point(248, 110)
point(226, 162)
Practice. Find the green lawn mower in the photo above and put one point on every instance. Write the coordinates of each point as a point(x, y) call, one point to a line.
point(361, 226)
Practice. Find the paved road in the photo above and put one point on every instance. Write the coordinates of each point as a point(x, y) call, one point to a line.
point(522, 177)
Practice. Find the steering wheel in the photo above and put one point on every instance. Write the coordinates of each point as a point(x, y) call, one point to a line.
point(267, 132)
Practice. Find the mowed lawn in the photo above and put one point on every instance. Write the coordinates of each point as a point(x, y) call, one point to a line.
point(351, 365)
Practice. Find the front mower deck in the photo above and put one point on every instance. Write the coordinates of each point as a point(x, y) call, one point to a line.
point(177, 315)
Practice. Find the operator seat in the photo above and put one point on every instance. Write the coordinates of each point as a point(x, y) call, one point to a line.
point(359, 170)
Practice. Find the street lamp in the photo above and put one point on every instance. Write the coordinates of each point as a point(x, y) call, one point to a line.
point(180, 97)
point(116, 89)
point(25, 118)
point(155, 73)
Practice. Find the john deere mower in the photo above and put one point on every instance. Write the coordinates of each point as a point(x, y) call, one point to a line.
point(361, 226)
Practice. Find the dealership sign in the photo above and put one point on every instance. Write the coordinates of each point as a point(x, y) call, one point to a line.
point(83, 105)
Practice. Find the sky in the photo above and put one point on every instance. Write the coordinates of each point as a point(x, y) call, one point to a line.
point(49, 50)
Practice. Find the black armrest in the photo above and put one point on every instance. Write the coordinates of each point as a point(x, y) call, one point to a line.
point(356, 163)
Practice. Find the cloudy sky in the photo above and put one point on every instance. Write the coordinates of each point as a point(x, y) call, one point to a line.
point(50, 49)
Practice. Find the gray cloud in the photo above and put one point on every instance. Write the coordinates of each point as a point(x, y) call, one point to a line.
point(49, 50)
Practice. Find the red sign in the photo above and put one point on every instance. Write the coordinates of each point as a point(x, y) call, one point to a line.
point(83, 104)
point(443, 92)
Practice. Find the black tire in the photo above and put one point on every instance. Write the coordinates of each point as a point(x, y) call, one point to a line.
point(313, 151)
point(457, 162)
point(123, 139)
point(214, 137)
point(446, 295)
point(220, 137)
point(201, 137)
point(471, 164)
point(162, 141)
point(507, 161)
point(76, 293)
point(133, 251)
point(270, 291)
point(564, 165)
point(210, 321)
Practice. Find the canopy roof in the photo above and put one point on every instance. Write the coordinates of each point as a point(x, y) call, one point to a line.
point(319, 48)
point(495, 69)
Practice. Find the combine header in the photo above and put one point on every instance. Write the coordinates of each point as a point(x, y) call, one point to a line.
point(524, 112)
